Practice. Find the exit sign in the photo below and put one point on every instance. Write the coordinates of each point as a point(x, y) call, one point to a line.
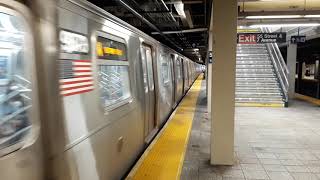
point(260, 38)
point(247, 38)
point(298, 39)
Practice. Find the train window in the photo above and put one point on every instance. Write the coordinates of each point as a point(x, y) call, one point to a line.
point(113, 67)
point(114, 84)
point(165, 72)
point(179, 75)
point(109, 49)
point(73, 43)
point(15, 85)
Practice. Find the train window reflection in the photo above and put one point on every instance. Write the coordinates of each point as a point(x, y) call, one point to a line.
point(165, 72)
point(114, 84)
point(179, 75)
point(15, 88)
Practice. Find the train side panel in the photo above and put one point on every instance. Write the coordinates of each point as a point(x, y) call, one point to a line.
point(104, 127)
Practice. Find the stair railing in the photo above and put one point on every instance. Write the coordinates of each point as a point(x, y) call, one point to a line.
point(279, 65)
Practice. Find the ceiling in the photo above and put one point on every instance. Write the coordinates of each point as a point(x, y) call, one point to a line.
point(278, 5)
point(182, 24)
point(254, 12)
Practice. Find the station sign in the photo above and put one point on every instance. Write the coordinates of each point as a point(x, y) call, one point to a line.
point(298, 39)
point(260, 38)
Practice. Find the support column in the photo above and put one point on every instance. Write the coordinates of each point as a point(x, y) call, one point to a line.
point(224, 19)
point(291, 63)
point(209, 69)
point(317, 76)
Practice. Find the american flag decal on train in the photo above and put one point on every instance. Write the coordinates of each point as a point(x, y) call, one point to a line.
point(75, 77)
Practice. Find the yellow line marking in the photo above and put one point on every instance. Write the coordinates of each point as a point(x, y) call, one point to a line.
point(259, 105)
point(164, 158)
point(308, 99)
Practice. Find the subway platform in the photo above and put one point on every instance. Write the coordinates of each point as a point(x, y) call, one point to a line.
point(270, 143)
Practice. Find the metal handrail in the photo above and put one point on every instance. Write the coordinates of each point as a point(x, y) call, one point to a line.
point(280, 66)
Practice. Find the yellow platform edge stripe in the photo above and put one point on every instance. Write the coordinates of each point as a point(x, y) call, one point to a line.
point(259, 105)
point(307, 98)
point(164, 158)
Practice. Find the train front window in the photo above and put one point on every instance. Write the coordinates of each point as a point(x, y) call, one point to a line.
point(15, 85)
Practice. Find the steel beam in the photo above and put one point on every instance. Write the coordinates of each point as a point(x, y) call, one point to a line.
point(183, 31)
point(185, 2)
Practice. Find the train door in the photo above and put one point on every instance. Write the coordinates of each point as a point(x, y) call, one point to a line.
point(174, 80)
point(186, 75)
point(149, 90)
point(19, 118)
point(178, 83)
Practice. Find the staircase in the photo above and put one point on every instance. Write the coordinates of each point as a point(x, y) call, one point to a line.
point(257, 82)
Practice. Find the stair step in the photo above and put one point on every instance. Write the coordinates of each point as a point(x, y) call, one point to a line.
point(252, 45)
point(252, 51)
point(262, 85)
point(250, 62)
point(255, 75)
point(255, 66)
point(257, 91)
point(242, 88)
point(258, 94)
point(260, 100)
point(255, 71)
point(246, 58)
point(253, 79)
point(260, 55)
point(252, 48)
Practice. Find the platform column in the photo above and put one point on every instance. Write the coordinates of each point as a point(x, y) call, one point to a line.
point(317, 76)
point(291, 63)
point(224, 20)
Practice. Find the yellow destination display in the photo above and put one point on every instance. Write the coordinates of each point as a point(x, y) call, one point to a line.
point(107, 50)
point(112, 51)
point(99, 49)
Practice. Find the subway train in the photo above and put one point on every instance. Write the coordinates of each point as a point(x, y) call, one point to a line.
point(82, 93)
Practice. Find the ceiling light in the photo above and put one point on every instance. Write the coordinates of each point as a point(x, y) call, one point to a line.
point(274, 17)
point(312, 16)
point(284, 25)
point(180, 9)
point(272, 0)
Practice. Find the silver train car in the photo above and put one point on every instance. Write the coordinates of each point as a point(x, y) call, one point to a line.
point(82, 92)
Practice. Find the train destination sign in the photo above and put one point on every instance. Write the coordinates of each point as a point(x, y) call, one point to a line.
point(259, 38)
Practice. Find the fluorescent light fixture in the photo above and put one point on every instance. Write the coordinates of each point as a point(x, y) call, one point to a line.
point(285, 25)
point(312, 16)
point(272, 0)
point(274, 17)
point(180, 9)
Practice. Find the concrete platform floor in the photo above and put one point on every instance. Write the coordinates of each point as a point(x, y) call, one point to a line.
point(270, 143)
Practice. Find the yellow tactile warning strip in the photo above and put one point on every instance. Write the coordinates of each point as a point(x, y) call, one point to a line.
point(259, 105)
point(308, 99)
point(163, 160)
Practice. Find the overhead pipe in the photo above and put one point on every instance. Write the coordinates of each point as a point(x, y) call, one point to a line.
point(147, 22)
point(183, 31)
point(166, 7)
